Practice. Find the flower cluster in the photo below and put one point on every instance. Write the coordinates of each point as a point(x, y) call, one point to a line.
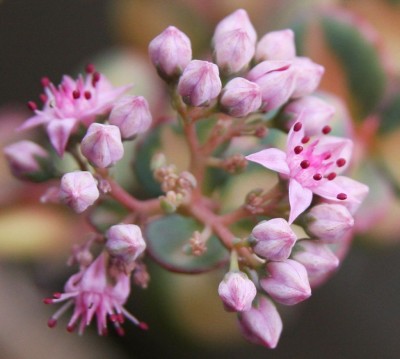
point(297, 225)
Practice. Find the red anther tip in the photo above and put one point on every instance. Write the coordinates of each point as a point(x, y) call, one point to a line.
point(113, 317)
point(32, 105)
point(341, 196)
point(90, 68)
point(304, 164)
point(326, 130)
point(70, 328)
point(87, 95)
point(76, 94)
point(341, 162)
point(297, 126)
point(43, 97)
point(143, 325)
point(96, 76)
point(45, 81)
point(120, 331)
point(305, 139)
point(331, 176)
point(51, 323)
point(48, 300)
point(328, 156)
point(317, 176)
point(298, 149)
point(104, 332)
point(121, 318)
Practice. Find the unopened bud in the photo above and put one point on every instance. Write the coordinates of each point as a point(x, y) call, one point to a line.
point(131, 115)
point(170, 52)
point(276, 45)
point(199, 83)
point(78, 190)
point(237, 292)
point(102, 145)
point(241, 97)
point(308, 76)
point(287, 282)
point(328, 222)
point(262, 324)
point(274, 239)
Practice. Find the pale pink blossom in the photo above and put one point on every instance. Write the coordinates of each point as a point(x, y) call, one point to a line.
point(72, 103)
point(308, 76)
point(274, 239)
point(312, 166)
point(94, 294)
point(237, 292)
point(276, 45)
point(287, 282)
point(261, 324)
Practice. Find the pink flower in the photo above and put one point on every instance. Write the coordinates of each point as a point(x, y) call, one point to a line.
point(308, 76)
point(312, 166)
point(262, 323)
point(72, 103)
point(237, 292)
point(95, 294)
point(276, 45)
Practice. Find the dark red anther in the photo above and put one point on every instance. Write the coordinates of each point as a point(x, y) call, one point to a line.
point(304, 164)
point(327, 156)
point(341, 196)
point(341, 162)
point(70, 328)
point(95, 78)
point(317, 177)
point(305, 139)
point(120, 331)
point(76, 94)
point(143, 325)
point(90, 68)
point(43, 97)
point(87, 95)
point(51, 323)
point(298, 149)
point(57, 295)
point(326, 129)
point(32, 105)
point(48, 300)
point(45, 81)
point(121, 318)
point(331, 176)
point(104, 332)
point(297, 126)
point(114, 317)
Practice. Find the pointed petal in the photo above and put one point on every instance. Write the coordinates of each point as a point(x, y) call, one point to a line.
point(33, 121)
point(271, 158)
point(355, 191)
point(299, 198)
point(59, 132)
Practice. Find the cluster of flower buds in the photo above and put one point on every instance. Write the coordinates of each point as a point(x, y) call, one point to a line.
point(90, 119)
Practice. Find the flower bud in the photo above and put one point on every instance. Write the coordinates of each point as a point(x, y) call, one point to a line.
point(78, 190)
point(125, 244)
point(287, 282)
point(237, 292)
point(241, 97)
point(131, 115)
point(28, 161)
point(328, 222)
point(308, 76)
point(102, 145)
point(170, 52)
point(199, 83)
point(276, 80)
point(262, 324)
point(317, 259)
point(234, 42)
point(274, 239)
point(276, 45)
point(316, 113)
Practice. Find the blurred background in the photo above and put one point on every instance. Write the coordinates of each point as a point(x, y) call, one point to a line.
point(354, 315)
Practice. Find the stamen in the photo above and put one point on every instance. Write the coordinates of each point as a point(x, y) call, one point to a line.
point(45, 81)
point(305, 139)
point(341, 162)
point(328, 156)
point(90, 68)
point(76, 94)
point(48, 300)
point(57, 295)
point(143, 325)
point(95, 79)
point(87, 95)
point(43, 97)
point(326, 129)
point(317, 176)
point(298, 149)
point(114, 317)
point(51, 323)
point(297, 126)
point(341, 196)
point(32, 105)
point(70, 328)
point(304, 164)
point(331, 176)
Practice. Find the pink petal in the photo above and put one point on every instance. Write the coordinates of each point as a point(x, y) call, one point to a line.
point(59, 132)
point(328, 189)
point(271, 158)
point(355, 191)
point(299, 198)
point(33, 121)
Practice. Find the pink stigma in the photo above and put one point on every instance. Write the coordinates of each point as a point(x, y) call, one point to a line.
point(342, 196)
point(297, 126)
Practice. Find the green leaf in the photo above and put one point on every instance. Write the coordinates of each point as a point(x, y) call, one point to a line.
point(168, 236)
point(390, 116)
point(361, 63)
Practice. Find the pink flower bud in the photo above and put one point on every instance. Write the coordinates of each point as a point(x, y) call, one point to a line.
point(199, 83)
point(276, 45)
point(317, 258)
point(237, 292)
point(102, 145)
point(131, 115)
point(308, 76)
point(26, 159)
point(329, 222)
point(124, 244)
point(170, 52)
point(287, 282)
point(78, 190)
point(316, 113)
point(241, 97)
point(276, 80)
point(262, 323)
point(234, 42)
point(274, 239)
